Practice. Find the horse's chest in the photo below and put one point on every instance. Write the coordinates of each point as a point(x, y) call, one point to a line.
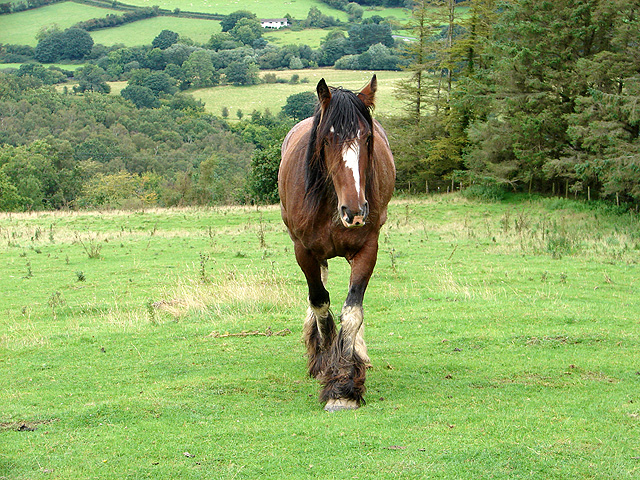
point(333, 242)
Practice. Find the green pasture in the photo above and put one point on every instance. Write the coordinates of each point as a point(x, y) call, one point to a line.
point(298, 9)
point(273, 96)
point(144, 31)
point(312, 37)
point(400, 14)
point(167, 344)
point(21, 28)
point(64, 66)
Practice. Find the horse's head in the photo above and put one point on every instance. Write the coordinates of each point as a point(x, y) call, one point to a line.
point(345, 138)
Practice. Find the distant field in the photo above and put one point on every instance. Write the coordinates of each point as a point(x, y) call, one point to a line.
point(59, 65)
point(262, 8)
point(21, 28)
point(312, 37)
point(274, 96)
point(401, 14)
point(144, 31)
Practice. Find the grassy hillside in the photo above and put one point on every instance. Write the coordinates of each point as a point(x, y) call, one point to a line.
point(504, 342)
point(21, 28)
point(312, 37)
point(274, 96)
point(262, 8)
point(144, 31)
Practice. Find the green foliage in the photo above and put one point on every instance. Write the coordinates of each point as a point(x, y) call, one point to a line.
point(31, 178)
point(120, 190)
point(263, 181)
point(232, 19)
point(300, 105)
point(485, 192)
point(557, 118)
point(377, 57)
point(361, 37)
point(140, 96)
point(73, 44)
point(198, 70)
point(10, 199)
point(103, 140)
point(92, 78)
point(77, 44)
point(317, 19)
point(247, 30)
point(524, 96)
point(50, 48)
point(48, 76)
point(242, 73)
point(165, 39)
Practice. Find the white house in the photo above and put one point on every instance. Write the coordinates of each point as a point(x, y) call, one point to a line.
point(274, 23)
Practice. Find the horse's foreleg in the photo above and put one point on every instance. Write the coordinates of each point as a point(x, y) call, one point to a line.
point(319, 327)
point(345, 376)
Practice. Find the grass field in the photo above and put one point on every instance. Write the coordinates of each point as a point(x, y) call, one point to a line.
point(262, 8)
point(21, 28)
point(144, 31)
point(64, 66)
point(274, 96)
point(504, 339)
point(312, 37)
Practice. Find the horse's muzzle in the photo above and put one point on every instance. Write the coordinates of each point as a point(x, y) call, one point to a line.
point(354, 220)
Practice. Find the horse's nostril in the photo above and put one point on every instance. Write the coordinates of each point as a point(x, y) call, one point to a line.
point(346, 214)
point(365, 210)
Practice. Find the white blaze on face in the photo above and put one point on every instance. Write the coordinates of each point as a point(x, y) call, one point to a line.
point(351, 157)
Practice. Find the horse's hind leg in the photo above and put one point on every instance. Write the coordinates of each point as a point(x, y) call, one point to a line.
point(346, 372)
point(319, 327)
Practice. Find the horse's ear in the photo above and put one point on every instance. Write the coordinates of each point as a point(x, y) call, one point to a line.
point(324, 95)
point(368, 93)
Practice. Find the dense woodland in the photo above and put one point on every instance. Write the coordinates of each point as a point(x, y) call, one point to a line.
point(516, 95)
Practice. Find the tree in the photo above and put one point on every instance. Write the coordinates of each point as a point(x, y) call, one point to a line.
point(10, 199)
point(247, 30)
point(50, 48)
point(159, 82)
point(198, 70)
point(47, 75)
point(552, 105)
point(361, 37)
point(333, 49)
point(155, 59)
point(242, 73)
point(178, 53)
point(413, 90)
point(300, 105)
point(355, 12)
point(142, 97)
point(432, 139)
point(223, 41)
point(165, 39)
point(263, 179)
point(230, 21)
point(77, 43)
point(91, 78)
point(317, 19)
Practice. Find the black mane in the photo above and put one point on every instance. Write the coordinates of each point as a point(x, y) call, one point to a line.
point(345, 113)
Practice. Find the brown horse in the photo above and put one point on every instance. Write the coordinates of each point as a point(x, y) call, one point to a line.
point(336, 178)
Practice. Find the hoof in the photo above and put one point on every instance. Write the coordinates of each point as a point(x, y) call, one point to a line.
point(338, 404)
